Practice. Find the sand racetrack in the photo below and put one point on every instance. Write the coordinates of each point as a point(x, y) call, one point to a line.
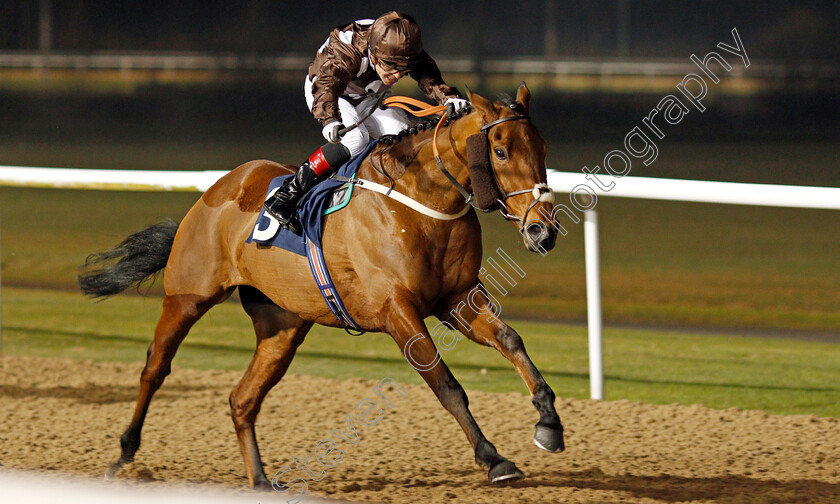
point(67, 416)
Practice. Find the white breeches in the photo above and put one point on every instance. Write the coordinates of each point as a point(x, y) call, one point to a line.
point(381, 122)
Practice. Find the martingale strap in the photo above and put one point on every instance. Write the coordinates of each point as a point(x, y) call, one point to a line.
point(325, 285)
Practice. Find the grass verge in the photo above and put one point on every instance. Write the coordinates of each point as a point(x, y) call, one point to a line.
point(780, 376)
point(717, 266)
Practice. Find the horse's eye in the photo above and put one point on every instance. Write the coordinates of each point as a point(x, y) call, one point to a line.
point(500, 153)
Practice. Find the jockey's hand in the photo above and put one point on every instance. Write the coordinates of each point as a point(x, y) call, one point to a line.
point(330, 131)
point(456, 105)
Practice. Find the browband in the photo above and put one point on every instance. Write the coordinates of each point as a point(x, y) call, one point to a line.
point(503, 119)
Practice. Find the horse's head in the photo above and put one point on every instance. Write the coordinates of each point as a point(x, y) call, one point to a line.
point(507, 168)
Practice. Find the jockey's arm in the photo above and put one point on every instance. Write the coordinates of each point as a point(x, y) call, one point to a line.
point(328, 87)
point(429, 80)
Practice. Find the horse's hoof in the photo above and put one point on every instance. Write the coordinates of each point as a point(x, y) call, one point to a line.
point(112, 471)
point(549, 439)
point(504, 471)
point(264, 486)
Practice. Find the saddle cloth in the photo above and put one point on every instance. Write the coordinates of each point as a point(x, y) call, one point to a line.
point(327, 197)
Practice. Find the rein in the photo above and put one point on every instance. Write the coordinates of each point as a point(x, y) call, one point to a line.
point(540, 191)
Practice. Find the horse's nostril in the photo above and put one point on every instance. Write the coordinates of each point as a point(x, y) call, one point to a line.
point(537, 231)
point(540, 237)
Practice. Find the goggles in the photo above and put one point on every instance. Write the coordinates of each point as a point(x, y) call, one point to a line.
point(393, 66)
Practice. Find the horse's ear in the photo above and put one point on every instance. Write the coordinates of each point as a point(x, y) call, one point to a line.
point(523, 96)
point(480, 103)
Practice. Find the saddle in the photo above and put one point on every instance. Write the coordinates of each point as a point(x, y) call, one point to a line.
point(329, 196)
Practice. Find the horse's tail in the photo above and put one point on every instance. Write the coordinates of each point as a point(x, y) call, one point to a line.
point(139, 257)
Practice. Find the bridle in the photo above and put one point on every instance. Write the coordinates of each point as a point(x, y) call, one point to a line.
point(540, 191)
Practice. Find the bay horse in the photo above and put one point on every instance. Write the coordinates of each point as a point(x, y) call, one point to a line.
point(392, 266)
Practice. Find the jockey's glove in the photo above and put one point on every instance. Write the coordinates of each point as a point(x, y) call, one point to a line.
point(456, 105)
point(330, 131)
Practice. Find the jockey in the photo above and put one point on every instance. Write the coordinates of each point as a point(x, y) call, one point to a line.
point(356, 61)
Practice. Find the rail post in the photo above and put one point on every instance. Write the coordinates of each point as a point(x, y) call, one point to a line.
point(593, 304)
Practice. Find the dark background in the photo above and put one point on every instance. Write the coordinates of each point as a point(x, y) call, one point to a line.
point(807, 29)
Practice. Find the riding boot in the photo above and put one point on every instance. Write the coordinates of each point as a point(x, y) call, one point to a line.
point(282, 205)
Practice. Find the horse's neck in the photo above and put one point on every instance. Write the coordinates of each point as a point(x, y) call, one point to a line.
point(423, 180)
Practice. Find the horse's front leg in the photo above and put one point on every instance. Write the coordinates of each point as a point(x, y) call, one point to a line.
point(406, 326)
point(472, 313)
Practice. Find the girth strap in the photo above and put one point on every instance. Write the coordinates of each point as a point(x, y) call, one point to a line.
point(318, 266)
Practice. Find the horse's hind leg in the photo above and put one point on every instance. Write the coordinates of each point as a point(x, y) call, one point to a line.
point(279, 333)
point(473, 316)
point(408, 330)
point(180, 312)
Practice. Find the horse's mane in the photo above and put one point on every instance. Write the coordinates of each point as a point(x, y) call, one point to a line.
point(420, 126)
point(394, 153)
